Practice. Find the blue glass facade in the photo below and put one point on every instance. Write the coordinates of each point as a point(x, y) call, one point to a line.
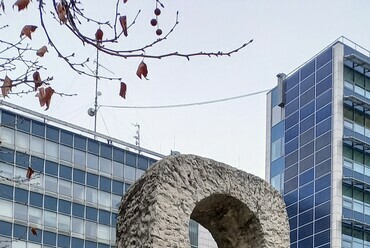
point(72, 198)
point(319, 156)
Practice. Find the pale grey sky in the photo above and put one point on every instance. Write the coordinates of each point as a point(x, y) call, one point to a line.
point(286, 33)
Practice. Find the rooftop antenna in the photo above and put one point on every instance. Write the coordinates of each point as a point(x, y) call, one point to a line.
point(137, 136)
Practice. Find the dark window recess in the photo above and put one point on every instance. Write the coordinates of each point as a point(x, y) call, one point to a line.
point(36, 199)
point(90, 244)
point(322, 196)
point(307, 123)
point(292, 94)
point(307, 242)
point(323, 182)
point(306, 190)
point(307, 110)
point(324, 99)
point(66, 138)
point(76, 242)
point(100, 245)
point(63, 240)
point(305, 217)
point(291, 185)
point(80, 142)
point(323, 168)
point(323, 72)
point(50, 238)
point(22, 159)
point(293, 222)
point(7, 119)
point(323, 113)
point(50, 203)
point(118, 187)
point(105, 184)
point(118, 155)
point(322, 210)
point(292, 210)
point(79, 176)
point(291, 198)
point(291, 172)
point(131, 159)
point(293, 236)
point(21, 195)
point(291, 133)
point(5, 228)
point(6, 155)
point(92, 180)
point(307, 69)
point(104, 217)
point(324, 58)
point(78, 210)
point(291, 146)
point(38, 129)
point(322, 224)
point(307, 136)
point(307, 83)
point(65, 172)
point(306, 150)
point(323, 155)
point(292, 81)
point(37, 164)
point(91, 213)
point(52, 133)
point(306, 163)
point(51, 168)
point(306, 204)
point(323, 127)
point(323, 86)
point(64, 206)
point(105, 151)
point(127, 186)
point(322, 141)
point(6, 191)
point(307, 97)
point(306, 177)
point(291, 159)
point(23, 124)
point(142, 163)
point(114, 219)
point(93, 146)
point(35, 238)
point(291, 107)
point(322, 238)
point(291, 120)
point(19, 231)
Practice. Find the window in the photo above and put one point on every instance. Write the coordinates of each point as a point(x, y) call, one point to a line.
point(50, 203)
point(105, 184)
point(129, 173)
point(80, 142)
point(63, 241)
point(50, 238)
point(78, 210)
point(118, 187)
point(21, 195)
point(65, 172)
point(79, 157)
point(276, 115)
point(307, 69)
point(37, 145)
point(65, 188)
point(64, 222)
point(106, 151)
point(51, 168)
point(93, 146)
point(66, 138)
point(52, 149)
point(105, 165)
point(37, 164)
point(76, 242)
point(103, 232)
point(51, 184)
point(38, 129)
point(5, 228)
point(52, 133)
point(19, 232)
point(78, 227)
point(118, 155)
point(139, 173)
point(131, 159)
point(7, 135)
point(6, 209)
point(91, 195)
point(22, 140)
point(36, 199)
point(35, 215)
point(105, 199)
point(23, 124)
point(116, 201)
point(92, 161)
point(91, 213)
point(90, 229)
point(7, 119)
point(50, 219)
point(323, 58)
point(6, 191)
point(117, 169)
point(307, 96)
point(92, 180)
point(79, 176)
point(323, 86)
point(64, 206)
point(104, 217)
point(78, 192)
point(66, 153)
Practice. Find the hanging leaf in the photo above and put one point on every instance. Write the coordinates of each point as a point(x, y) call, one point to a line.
point(44, 96)
point(7, 86)
point(142, 70)
point(34, 231)
point(99, 35)
point(123, 21)
point(62, 13)
point(124, 1)
point(30, 172)
point(37, 80)
point(42, 51)
point(27, 30)
point(21, 4)
point(2, 5)
point(122, 91)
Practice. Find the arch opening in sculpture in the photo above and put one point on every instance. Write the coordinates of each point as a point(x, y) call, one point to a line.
point(239, 209)
point(230, 221)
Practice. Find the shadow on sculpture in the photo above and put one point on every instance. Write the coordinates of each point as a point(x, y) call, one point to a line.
point(239, 209)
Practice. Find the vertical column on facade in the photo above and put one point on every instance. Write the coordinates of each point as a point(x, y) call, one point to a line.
point(337, 146)
point(268, 137)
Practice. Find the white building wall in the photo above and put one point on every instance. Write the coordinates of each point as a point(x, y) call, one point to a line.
point(205, 239)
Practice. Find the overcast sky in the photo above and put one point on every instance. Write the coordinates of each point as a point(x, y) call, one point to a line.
point(286, 34)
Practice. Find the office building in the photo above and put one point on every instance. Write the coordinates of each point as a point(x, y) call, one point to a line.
point(318, 140)
point(73, 195)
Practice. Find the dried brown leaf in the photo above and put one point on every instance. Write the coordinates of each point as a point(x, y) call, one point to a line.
point(29, 174)
point(37, 79)
point(99, 35)
point(41, 52)
point(7, 86)
point(62, 13)
point(27, 30)
point(123, 89)
point(21, 4)
point(44, 96)
point(123, 22)
point(142, 70)
point(34, 231)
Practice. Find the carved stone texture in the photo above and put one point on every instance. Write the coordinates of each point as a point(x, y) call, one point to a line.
point(239, 209)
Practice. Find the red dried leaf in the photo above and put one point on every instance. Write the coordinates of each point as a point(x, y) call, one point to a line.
point(42, 51)
point(99, 35)
point(7, 86)
point(37, 80)
point(62, 13)
point(30, 172)
point(34, 231)
point(21, 4)
point(142, 70)
point(124, 1)
point(27, 30)
point(44, 96)
point(123, 21)
point(2, 5)
point(123, 89)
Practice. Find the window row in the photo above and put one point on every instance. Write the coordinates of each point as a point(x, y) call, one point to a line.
point(67, 153)
point(91, 196)
point(39, 165)
point(48, 238)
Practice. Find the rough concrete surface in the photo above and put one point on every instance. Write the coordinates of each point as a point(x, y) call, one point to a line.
point(239, 209)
